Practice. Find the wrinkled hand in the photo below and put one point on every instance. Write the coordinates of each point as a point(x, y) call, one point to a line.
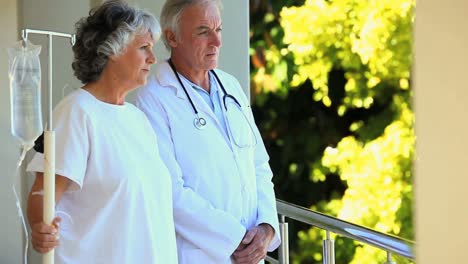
point(254, 245)
point(45, 237)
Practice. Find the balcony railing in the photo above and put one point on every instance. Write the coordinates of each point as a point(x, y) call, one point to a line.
point(388, 243)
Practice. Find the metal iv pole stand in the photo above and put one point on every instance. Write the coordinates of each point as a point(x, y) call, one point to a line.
point(49, 141)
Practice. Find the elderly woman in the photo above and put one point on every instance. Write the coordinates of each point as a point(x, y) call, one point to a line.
point(113, 192)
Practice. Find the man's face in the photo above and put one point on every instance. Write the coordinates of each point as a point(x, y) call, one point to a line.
point(199, 37)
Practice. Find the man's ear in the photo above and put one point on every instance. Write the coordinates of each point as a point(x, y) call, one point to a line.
point(171, 38)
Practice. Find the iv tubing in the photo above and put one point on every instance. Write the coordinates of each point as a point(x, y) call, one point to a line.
point(26, 148)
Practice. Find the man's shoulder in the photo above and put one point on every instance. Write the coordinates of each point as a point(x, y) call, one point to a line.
point(231, 84)
point(225, 76)
point(151, 85)
point(153, 93)
point(159, 79)
point(153, 89)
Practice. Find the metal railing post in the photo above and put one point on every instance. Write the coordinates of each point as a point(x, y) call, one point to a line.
point(388, 243)
point(283, 253)
point(328, 250)
point(389, 259)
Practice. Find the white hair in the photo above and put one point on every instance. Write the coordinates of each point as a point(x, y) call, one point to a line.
point(172, 10)
point(107, 31)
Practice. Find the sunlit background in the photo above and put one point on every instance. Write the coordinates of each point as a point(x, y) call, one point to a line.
point(331, 88)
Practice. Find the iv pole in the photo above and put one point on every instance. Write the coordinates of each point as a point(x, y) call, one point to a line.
point(49, 142)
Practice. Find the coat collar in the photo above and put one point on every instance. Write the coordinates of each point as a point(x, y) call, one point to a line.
point(166, 78)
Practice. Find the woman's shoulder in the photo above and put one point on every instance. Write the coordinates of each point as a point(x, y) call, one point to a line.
point(77, 101)
point(71, 98)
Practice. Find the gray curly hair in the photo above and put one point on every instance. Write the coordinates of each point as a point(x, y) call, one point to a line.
point(171, 11)
point(107, 31)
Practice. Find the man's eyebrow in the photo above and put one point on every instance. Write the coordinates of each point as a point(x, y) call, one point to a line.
point(202, 27)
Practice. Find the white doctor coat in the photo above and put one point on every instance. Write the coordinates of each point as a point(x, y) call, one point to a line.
point(220, 190)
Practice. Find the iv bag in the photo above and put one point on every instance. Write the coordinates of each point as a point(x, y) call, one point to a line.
point(25, 92)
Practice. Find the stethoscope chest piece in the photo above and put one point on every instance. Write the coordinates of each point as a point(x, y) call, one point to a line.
point(199, 123)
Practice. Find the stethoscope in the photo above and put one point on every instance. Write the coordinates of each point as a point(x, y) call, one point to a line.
point(200, 122)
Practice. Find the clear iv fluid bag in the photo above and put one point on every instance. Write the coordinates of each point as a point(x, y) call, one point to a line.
point(26, 119)
point(25, 92)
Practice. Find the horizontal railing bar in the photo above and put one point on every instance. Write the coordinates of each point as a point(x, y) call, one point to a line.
point(377, 239)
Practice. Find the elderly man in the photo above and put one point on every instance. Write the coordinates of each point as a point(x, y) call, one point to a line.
point(224, 203)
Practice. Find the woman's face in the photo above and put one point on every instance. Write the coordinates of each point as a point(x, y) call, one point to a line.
point(132, 67)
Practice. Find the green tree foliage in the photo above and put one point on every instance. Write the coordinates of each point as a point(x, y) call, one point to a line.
point(331, 89)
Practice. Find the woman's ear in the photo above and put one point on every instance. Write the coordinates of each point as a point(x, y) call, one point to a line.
point(171, 38)
point(112, 58)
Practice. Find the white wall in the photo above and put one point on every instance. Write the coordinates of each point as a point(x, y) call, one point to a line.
point(235, 51)
point(441, 101)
